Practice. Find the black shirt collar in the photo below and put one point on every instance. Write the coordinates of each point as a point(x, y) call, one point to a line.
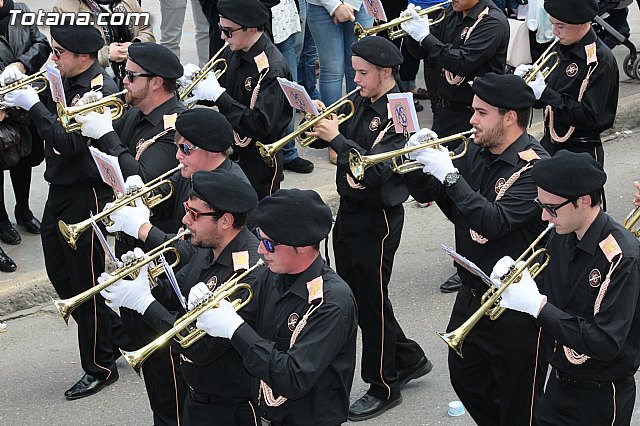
point(299, 287)
point(235, 245)
point(380, 106)
point(84, 79)
point(591, 239)
point(157, 115)
point(510, 155)
point(578, 48)
point(258, 47)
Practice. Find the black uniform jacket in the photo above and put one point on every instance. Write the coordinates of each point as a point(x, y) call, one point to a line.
point(210, 366)
point(380, 187)
point(268, 120)
point(67, 154)
point(484, 51)
point(172, 211)
point(25, 44)
point(510, 224)
point(134, 127)
point(595, 322)
point(317, 372)
point(597, 109)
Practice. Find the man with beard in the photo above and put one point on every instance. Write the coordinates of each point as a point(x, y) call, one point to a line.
point(216, 213)
point(75, 190)
point(488, 195)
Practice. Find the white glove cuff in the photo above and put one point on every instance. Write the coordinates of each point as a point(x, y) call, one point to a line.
point(144, 303)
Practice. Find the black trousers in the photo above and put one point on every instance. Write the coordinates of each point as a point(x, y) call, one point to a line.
point(264, 179)
point(225, 412)
point(449, 120)
point(74, 271)
point(364, 244)
point(573, 404)
point(496, 378)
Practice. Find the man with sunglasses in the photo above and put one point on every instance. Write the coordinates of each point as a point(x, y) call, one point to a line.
point(301, 349)
point(75, 190)
point(248, 94)
point(487, 194)
point(588, 301)
point(219, 387)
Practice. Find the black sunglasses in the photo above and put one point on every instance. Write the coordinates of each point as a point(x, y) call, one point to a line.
point(58, 52)
point(131, 75)
point(268, 244)
point(551, 208)
point(196, 214)
point(186, 149)
point(228, 32)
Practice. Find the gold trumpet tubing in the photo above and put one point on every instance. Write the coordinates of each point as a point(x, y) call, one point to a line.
point(631, 219)
point(211, 65)
point(66, 306)
point(358, 163)
point(72, 232)
point(185, 322)
point(68, 115)
point(541, 63)
point(268, 151)
point(18, 84)
point(455, 338)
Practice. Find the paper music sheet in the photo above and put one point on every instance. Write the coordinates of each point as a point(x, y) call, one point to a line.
point(297, 96)
point(109, 169)
point(403, 112)
point(374, 8)
point(55, 84)
point(467, 264)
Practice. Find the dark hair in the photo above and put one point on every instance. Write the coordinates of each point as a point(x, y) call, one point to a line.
point(169, 84)
point(596, 198)
point(93, 55)
point(522, 114)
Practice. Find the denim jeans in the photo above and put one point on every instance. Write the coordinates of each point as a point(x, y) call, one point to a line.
point(307, 65)
point(334, 50)
point(291, 49)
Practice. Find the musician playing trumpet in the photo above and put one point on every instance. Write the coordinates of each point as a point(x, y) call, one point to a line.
point(219, 388)
point(369, 224)
point(587, 304)
point(488, 195)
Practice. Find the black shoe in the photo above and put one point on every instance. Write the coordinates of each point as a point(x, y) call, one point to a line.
point(6, 263)
point(89, 385)
point(451, 285)
point(420, 369)
point(369, 407)
point(418, 106)
point(8, 233)
point(299, 165)
point(29, 222)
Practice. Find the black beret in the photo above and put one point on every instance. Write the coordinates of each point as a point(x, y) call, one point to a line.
point(572, 11)
point(78, 38)
point(378, 51)
point(569, 174)
point(506, 91)
point(156, 60)
point(205, 128)
point(294, 217)
point(224, 191)
point(248, 13)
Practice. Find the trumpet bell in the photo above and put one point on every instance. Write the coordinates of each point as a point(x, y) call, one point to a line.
point(630, 221)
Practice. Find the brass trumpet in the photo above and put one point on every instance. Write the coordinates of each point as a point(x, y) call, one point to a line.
point(491, 299)
point(71, 233)
point(358, 163)
point(212, 65)
point(541, 63)
point(393, 26)
point(268, 152)
point(18, 84)
point(631, 219)
point(66, 306)
point(186, 322)
point(68, 115)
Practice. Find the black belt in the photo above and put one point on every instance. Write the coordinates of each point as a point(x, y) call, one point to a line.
point(210, 399)
point(454, 106)
point(570, 380)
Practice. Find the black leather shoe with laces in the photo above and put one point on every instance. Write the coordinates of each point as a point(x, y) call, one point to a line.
point(6, 263)
point(28, 222)
point(89, 385)
point(370, 406)
point(8, 233)
point(451, 285)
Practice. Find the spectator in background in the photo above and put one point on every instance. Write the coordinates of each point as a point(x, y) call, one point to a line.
point(307, 63)
point(172, 13)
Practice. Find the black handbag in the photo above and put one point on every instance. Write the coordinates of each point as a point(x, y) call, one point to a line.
point(10, 149)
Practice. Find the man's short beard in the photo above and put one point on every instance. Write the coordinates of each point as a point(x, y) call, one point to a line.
point(493, 137)
point(135, 100)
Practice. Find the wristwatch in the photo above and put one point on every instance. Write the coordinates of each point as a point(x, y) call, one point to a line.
point(451, 178)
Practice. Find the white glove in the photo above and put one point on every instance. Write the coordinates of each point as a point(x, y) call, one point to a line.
point(418, 27)
point(538, 85)
point(190, 70)
point(10, 74)
point(522, 70)
point(132, 184)
point(96, 125)
point(501, 268)
point(436, 162)
point(198, 293)
point(419, 138)
point(128, 219)
point(209, 89)
point(522, 296)
point(132, 294)
point(24, 98)
point(222, 321)
point(90, 97)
